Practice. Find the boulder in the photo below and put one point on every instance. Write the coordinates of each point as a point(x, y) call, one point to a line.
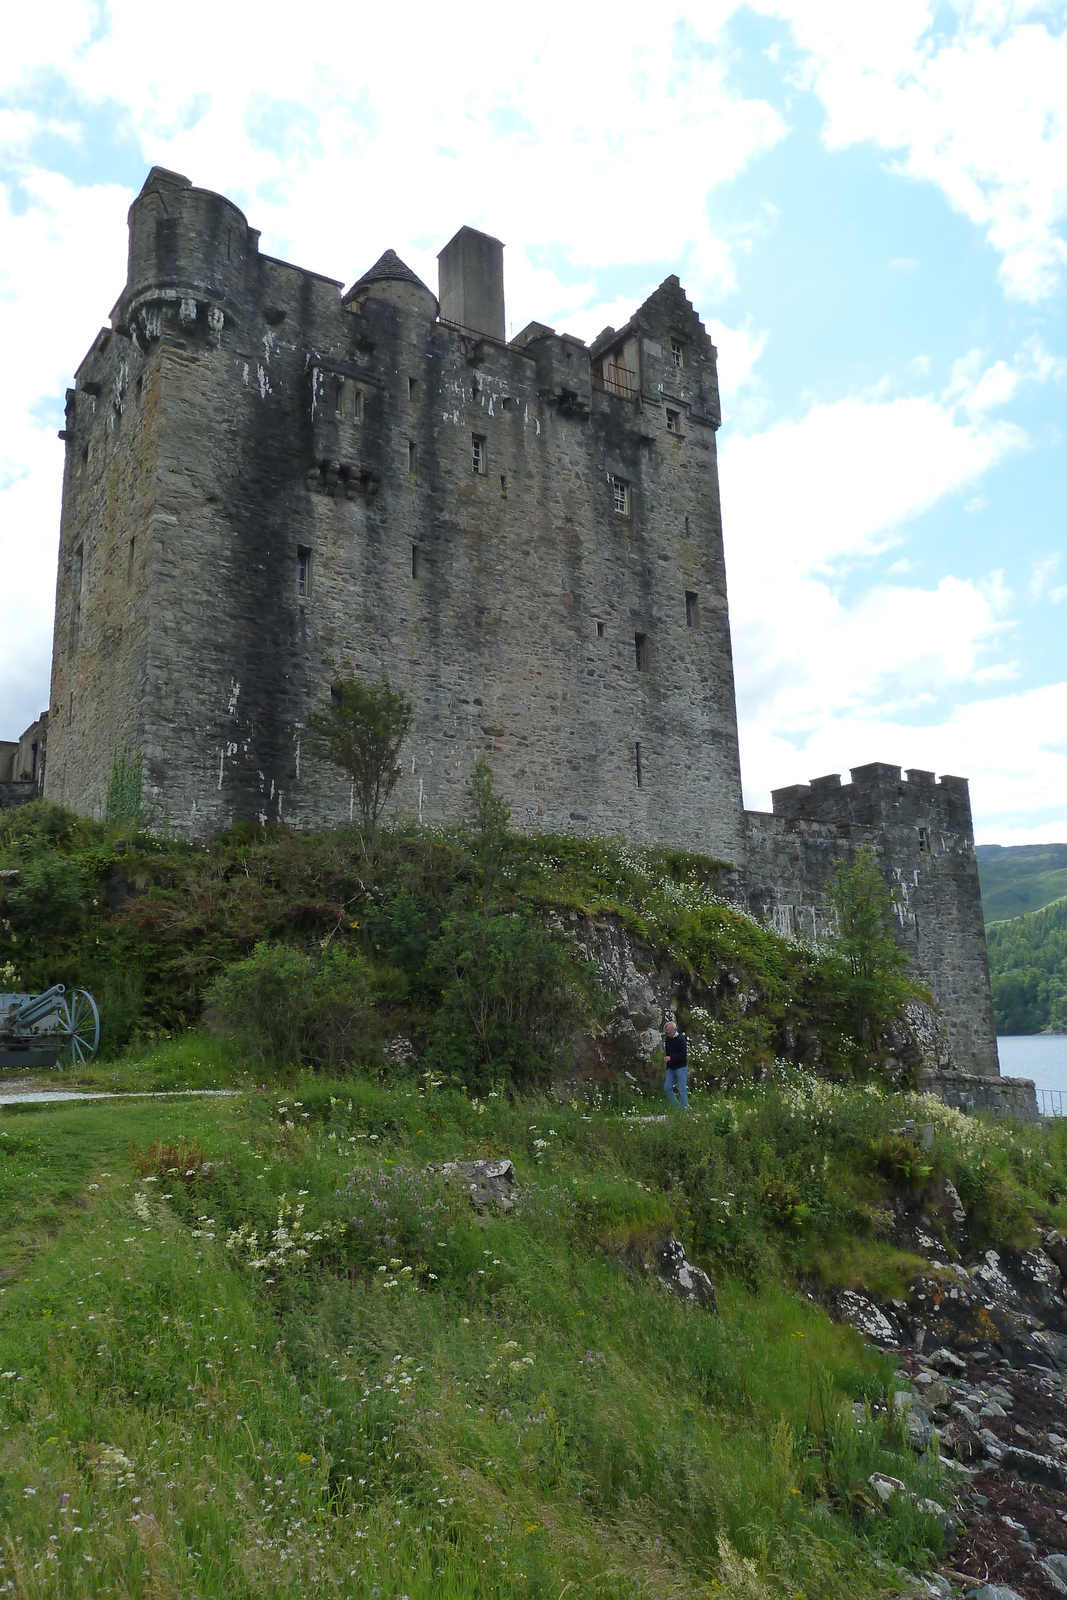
point(666, 1257)
point(1034, 1468)
point(489, 1183)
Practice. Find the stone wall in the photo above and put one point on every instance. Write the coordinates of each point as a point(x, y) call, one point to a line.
point(920, 831)
point(998, 1097)
point(249, 428)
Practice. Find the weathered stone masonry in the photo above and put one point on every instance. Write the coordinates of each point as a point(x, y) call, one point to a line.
point(268, 479)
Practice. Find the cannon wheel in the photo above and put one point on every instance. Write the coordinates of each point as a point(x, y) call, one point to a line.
point(80, 1027)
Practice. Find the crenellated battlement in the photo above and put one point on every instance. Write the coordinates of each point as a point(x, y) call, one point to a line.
point(878, 796)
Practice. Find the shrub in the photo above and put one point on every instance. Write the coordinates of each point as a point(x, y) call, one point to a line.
point(292, 1009)
point(510, 1001)
point(48, 897)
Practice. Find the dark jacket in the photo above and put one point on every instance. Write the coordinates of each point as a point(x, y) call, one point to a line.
point(676, 1049)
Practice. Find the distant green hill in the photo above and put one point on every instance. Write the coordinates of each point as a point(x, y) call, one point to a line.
point(1020, 878)
point(1028, 968)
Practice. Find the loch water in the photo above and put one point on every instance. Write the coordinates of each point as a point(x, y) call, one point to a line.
point(1041, 1056)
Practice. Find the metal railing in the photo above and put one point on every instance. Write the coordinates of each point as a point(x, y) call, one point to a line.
point(1052, 1102)
point(612, 379)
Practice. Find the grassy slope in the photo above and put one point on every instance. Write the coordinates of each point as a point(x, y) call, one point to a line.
point(522, 1414)
point(1020, 878)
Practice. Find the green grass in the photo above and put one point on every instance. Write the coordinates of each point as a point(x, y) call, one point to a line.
point(506, 1409)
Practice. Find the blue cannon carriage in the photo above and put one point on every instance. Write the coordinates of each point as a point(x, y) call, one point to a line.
point(39, 1030)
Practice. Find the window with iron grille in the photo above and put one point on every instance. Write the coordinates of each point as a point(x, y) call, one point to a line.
point(303, 571)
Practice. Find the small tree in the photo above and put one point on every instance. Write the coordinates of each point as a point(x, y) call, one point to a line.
point(361, 731)
point(488, 814)
point(865, 908)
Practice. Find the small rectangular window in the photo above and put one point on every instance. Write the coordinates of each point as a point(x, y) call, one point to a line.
point(413, 388)
point(413, 460)
point(637, 763)
point(339, 396)
point(354, 401)
point(129, 563)
point(478, 454)
point(303, 572)
point(687, 527)
point(600, 630)
point(677, 353)
point(504, 485)
point(674, 421)
point(925, 847)
point(414, 561)
point(692, 612)
point(641, 651)
point(620, 491)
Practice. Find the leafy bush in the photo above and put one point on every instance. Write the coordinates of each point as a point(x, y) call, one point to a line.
point(293, 1009)
point(510, 1001)
point(48, 896)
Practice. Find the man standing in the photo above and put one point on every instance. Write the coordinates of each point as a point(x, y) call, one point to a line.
point(676, 1049)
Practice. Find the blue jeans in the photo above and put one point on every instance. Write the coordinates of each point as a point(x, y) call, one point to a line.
point(675, 1080)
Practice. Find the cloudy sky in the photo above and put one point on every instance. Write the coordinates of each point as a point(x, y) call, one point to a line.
point(865, 199)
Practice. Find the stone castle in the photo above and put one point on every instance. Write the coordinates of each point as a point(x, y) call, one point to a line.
point(270, 478)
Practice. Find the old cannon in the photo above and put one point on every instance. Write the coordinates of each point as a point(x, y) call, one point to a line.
point(37, 1030)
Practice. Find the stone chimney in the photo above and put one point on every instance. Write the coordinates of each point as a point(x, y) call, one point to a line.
point(471, 279)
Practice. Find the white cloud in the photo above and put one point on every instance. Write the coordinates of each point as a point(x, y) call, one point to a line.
point(838, 485)
point(1011, 748)
point(830, 670)
point(1040, 574)
point(973, 96)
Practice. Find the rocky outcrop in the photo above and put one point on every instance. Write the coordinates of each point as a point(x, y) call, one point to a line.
point(982, 1348)
point(640, 992)
point(665, 1257)
point(490, 1184)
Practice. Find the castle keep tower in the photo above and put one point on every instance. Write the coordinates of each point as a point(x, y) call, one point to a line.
point(268, 479)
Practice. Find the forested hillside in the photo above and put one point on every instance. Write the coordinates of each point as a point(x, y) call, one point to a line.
point(1028, 968)
point(1020, 878)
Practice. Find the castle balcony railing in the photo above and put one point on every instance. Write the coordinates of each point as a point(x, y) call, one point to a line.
point(616, 380)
